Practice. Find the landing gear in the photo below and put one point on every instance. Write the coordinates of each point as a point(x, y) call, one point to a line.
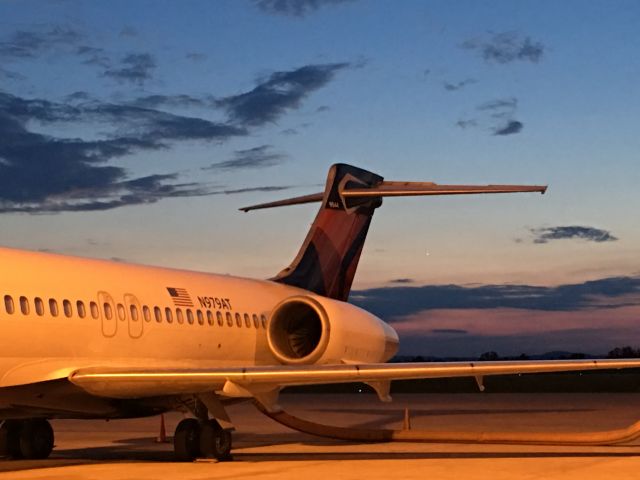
point(194, 439)
point(31, 439)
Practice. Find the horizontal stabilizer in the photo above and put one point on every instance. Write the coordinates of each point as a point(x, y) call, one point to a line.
point(402, 189)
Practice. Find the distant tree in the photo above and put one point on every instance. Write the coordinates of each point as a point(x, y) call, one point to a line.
point(624, 352)
point(488, 356)
point(523, 356)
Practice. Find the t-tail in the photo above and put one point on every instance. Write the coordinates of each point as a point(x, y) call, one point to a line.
point(327, 261)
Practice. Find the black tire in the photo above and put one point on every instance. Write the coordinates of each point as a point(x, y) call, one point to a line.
point(36, 439)
point(215, 442)
point(186, 440)
point(10, 439)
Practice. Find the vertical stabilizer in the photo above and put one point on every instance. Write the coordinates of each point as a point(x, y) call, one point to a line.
point(328, 258)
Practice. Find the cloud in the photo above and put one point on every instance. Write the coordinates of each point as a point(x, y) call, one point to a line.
point(128, 31)
point(590, 234)
point(506, 47)
point(134, 68)
point(280, 92)
point(252, 158)
point(464, 123)
point(449, 331)
point(24, 44)
point(512, 127)
point(180, 100)
point(402, 280)
point(323, 108)
point(196, 56)
point(266, 188)
point(500, 108)
point(93, 56)
point(41, 173)
point(394, 302)
point(295, 8)
point(452, 87)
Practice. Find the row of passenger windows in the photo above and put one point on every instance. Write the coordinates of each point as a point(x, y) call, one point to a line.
point(148, 313)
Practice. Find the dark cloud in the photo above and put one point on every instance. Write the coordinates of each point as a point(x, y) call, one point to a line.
point(181, 100)
point(40, 173)
point(196, 56)
point(463, 123)
point(393, 302)
point(128, 31)
point(501, 107)
point(280, 92)
point(267, 188)
point(506, 47)
point(294, 8)
point(252, 158)
point(452, 87)
point(402, 280)
point(9, 75)
point(93, 56)
point(134, 68)
point(591, 234)
point(289, 131)
point(31, 43)
point(449, 331)
point(323, 108)
point(512, 127)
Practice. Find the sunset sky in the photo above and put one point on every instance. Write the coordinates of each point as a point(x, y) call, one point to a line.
point(134, 130)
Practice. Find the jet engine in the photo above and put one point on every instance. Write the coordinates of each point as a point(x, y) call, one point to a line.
point(298, 331)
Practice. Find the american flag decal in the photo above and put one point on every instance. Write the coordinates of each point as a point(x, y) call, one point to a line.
point(180, 297)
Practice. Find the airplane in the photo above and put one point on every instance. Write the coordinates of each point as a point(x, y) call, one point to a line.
point(92, 339)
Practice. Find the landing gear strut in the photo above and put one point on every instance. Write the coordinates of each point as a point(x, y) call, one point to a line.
point(194, 439)
point(30, 439)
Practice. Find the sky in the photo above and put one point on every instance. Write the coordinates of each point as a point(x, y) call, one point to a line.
point(134, 130)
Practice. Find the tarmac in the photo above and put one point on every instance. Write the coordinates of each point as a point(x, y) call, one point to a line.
point(263, 449)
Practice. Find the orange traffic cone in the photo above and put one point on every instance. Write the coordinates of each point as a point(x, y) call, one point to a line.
point(162, 437)
point(406, 425)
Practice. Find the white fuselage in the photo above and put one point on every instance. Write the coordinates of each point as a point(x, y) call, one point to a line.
point(60, 313)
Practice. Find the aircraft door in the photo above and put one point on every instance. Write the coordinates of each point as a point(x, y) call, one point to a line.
point(108, 313)
point(134, 312)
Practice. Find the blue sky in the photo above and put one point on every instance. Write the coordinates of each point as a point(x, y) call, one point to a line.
point(133, 130)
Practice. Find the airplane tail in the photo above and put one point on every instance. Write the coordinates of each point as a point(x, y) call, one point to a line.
point(327, 261)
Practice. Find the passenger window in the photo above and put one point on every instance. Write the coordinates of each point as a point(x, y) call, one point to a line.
point(108, 311)
point(229, 319)
point(24, 305)
point(8, 304)
point(146, 313)
point(189, 316)
point(93, 306)
point(179, 316)
point(200, 317)
point(256, 322)
point(39, 304)
point(263, 320)
point(219, 318)
point(209, 317)
point(66, 306)
point(80, 308)
point(53, 307)
point(238, 320)
point(122, 314)
point(134, 312)
point(168, 314)
point(158, 314)
point(247, 320)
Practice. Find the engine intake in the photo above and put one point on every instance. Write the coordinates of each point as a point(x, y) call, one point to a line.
point(298, 331)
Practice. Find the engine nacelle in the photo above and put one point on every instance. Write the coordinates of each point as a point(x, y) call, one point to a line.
point(306, 329)
point(299, 331)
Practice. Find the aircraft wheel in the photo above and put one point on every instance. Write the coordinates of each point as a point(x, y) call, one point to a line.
point(10, 439)
point(36, 439)
point(215, 442)
point(186, 440)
